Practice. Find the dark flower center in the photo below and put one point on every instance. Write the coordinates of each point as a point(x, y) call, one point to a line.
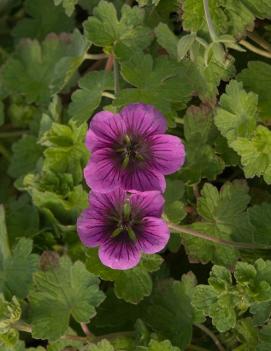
point(131, 151)
point(124, 223)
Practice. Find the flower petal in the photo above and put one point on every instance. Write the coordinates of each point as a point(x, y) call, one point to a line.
point(102, 173)
point(153, 235)
point(148, 203)
point(110, 202)
point(119, 254)
point(143, 119)
point(107, 127)
point(92, 231)
point(143, 180)
point(168, 153)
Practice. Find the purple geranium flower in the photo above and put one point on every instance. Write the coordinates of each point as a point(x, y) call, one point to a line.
point(123, 225)
point(130, 150)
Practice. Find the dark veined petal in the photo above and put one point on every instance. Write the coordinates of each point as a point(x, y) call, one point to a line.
point(92, 230)
point(107, 127)
point(147, 203)
point(143, 119)
point(152, 235)
point(119, 254)
point(102, 204)
point(102, 173)
point(143, 180)
point(168, 153)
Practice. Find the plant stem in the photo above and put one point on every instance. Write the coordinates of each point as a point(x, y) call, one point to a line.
point(22, 326)
point(259, 40)
point(211, 335)
point(209, 20)
point(116, 77)
point(85, 329)
point(95, 56)
point(239, 245)
point(109, 95)
point(4, 243)
point(253, 48)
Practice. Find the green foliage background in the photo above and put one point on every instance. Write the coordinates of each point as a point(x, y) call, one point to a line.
point(206, 65)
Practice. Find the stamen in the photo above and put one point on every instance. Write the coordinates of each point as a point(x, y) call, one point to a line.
point(117, 232)
point(131, 234)
point(127, 211)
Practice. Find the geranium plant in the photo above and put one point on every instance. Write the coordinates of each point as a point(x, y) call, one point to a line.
point(135, 158)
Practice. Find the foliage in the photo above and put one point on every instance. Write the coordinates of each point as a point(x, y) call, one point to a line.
point(206, 66)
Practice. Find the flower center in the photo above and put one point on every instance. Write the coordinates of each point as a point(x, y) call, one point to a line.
point(131, 151)
point(125, 223)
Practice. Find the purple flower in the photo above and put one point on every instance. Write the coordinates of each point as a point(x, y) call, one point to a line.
point(131, 151)
point(123, 225)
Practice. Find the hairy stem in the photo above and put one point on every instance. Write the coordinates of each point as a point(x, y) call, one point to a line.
point(85, 329)
point(239, 245)
point(109, 95)
point(211, 335)
point(253, 48)
point(209, 20)
point(95, 56)
point(259, 40)
point(116, 77)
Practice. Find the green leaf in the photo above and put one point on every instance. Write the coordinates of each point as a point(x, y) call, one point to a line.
point(162, 83)
point(65, 291)
point(165, 345)
point(106, 30)
point(66, 151)
point(224, 216)
point(170, 312)
point(166, 39)
point(19, 223)
point(103, 345)
point(10, 313)
point(140, 281)
point(260, 218)
point(43, 17)
point(16, 270)
point(38, 71)
point(237, 112)
point(216, 299)
point(86, 99)
point(184, 45)
point(69, 5)
point(26, 153)
point(228, 16)
point(201, 158)
point(255, 153)
point(257, 78)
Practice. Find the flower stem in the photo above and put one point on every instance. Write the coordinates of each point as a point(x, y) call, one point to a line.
point(22, 326)
point(95, 56)
point(116, 77)
point(253, 48)
point(211, 335)
point(239, 245)
point(209, 20)
point(259, 40)
point(109, 95)
point(85, 329)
